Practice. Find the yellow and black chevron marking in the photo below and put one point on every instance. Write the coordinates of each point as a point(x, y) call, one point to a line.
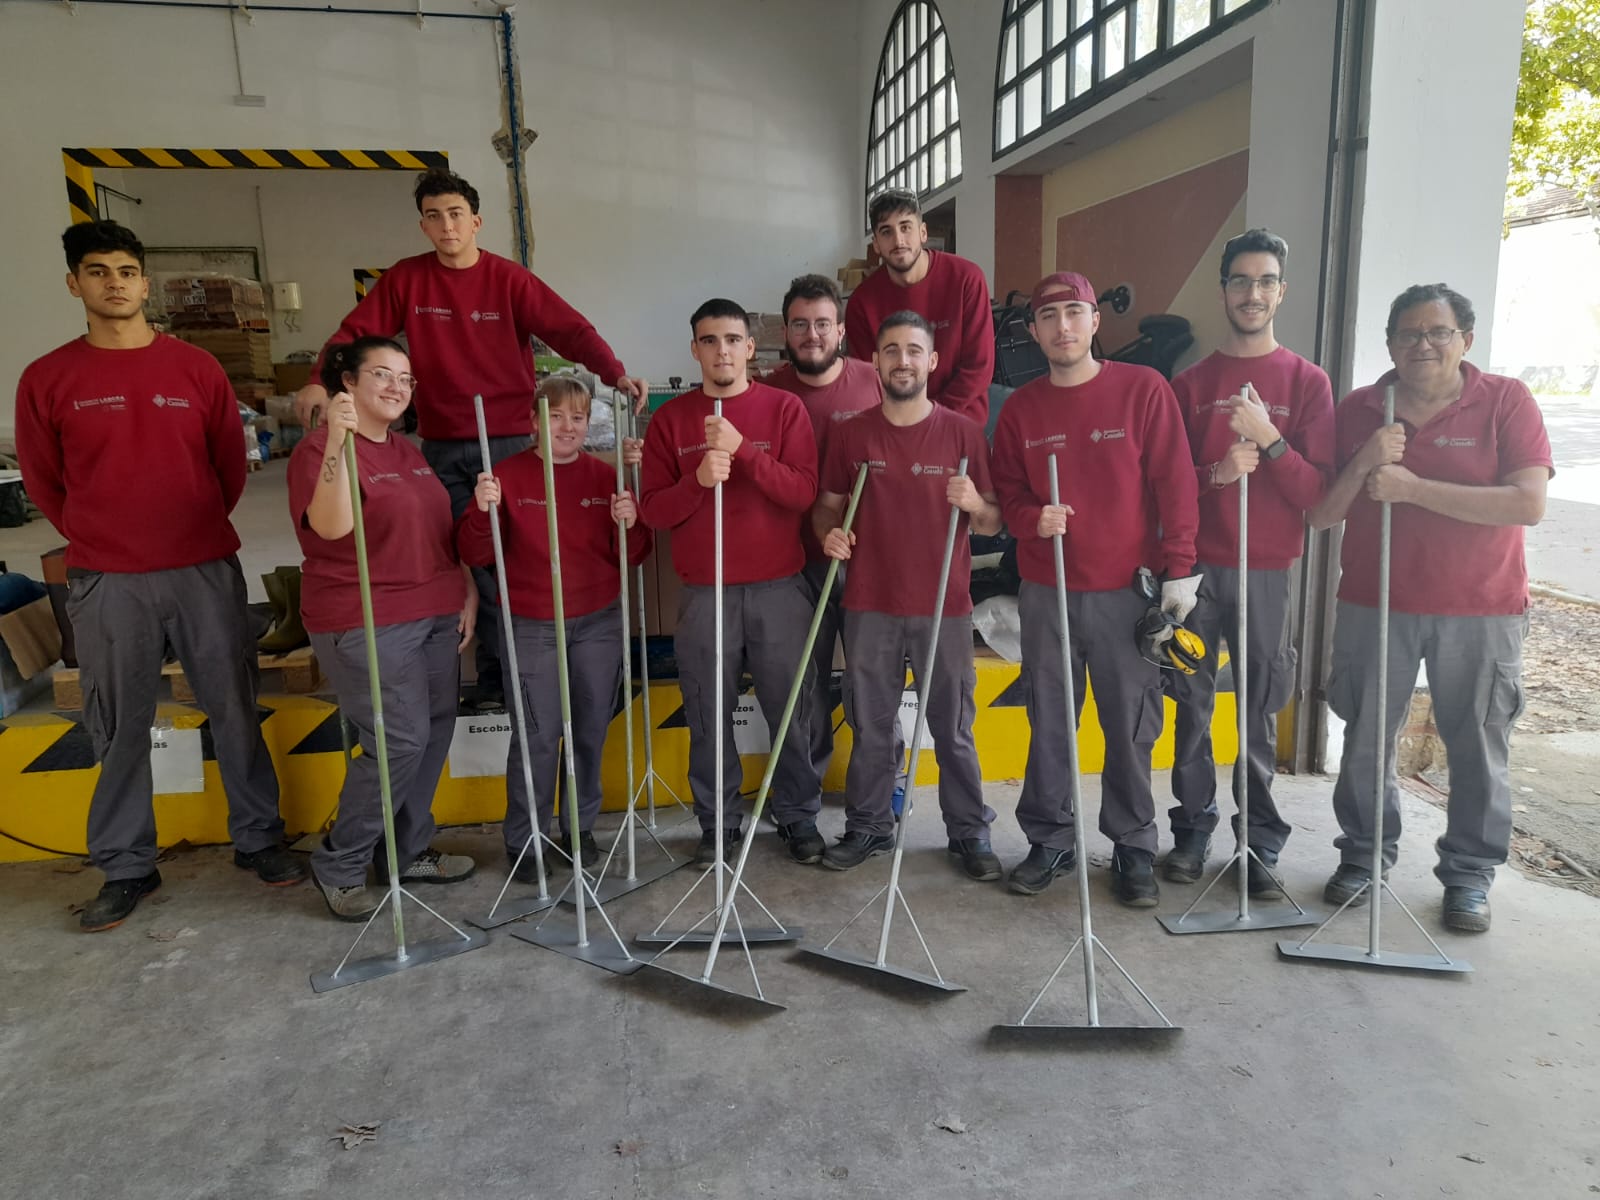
point(80, 163)
point(365, 278)
point(48, 773)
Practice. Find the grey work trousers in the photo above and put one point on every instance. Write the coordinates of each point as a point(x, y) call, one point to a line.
point(594, 679)
point(457, 465)
point(419, 678)
point(764, 628)
point(876, 646)
point(1269, 677)
point(123, 624)
point(1475, 683)
point(1127, 698)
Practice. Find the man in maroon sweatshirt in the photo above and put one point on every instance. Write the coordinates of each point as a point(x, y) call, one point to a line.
point(949, 291)
point(1252, 408)
point(131, 444)
point(1127, 501)
point(467, 316)
point(763, 453)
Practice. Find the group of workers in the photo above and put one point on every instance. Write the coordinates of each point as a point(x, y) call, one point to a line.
point(130, 444)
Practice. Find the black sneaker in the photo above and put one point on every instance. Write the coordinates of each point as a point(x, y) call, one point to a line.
point(978, 860)
point(1345, 881)
point(1466, 909)
point(117, 899)
point(1260, 879)
point(1133, 877)
point(527, 871)
point(854, 848)
point(805, 843)
point(705, 856)
point(589, 849)
point(485, 696)
point(275, 866)
point(1034, 873)
point(1186, 861)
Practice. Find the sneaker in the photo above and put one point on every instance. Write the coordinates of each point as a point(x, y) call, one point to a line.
point(1133, 877)
point(977, 859)
point(854, 848)
point(117, 899)
point(527, 871)
point(1346, 880)
point(705, 855)
point(589, 849)
point(1034, 873)
point(1466, 909)
point(355, 903)
point(1186, 861)
point(1260, 879)
point(558, 851)
point(434, 866)
point(275, 866)
point(805, 843)
point(485, 696)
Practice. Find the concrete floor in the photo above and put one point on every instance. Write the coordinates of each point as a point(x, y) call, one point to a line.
point(184, 1054)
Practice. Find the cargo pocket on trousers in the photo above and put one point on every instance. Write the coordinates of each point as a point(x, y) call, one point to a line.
point(1506, 699)
point(1148, 727)
point(1280, 684)
point(1341, 693)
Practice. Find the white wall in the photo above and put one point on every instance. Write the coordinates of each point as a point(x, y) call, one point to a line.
point(1547, 298)
point(671, 164)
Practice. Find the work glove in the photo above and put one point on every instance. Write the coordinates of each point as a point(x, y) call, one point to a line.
point(1179, 596)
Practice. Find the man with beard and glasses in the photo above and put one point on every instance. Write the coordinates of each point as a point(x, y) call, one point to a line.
point(761, 450)
point(1127, 501)
point(1252, 408)
point(913, 448)
point(950, 292)
point(833, 388)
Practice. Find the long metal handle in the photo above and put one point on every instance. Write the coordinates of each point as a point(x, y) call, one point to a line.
point(718, 781)
point(1074, 782)
point(1375, 888)
point(618, 402)
point(1240, 655)
point(644, 661)
point(375, 690)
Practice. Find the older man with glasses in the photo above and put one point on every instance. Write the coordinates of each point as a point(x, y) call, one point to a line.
point(1464, 465)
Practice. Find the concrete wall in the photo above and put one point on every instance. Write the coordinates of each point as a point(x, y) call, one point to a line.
point(669, 167)
point(1546, 315)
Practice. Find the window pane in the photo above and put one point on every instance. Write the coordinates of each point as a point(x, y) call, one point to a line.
point(941, 165)
point(1058, 81)
point(1082, 10)
point(1058, 21)
point(1113, 50)
point(1008, 55)
point(939, 56)
point(1189, 17)
point(955, 107)
point(1008, 118)
point(1032, 102)
point(924, 175)
point(1147, 21)
point(955, 156)
point(1082, 64)
point(940, 117)
point(1229, 5)
point(1032, 35)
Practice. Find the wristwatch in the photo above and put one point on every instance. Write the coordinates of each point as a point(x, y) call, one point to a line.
point(1277, 450)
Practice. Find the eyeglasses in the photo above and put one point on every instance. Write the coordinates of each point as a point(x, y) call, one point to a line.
point(821, 328)
point(1437, 336)
point(384, 376)
point(1244, 285)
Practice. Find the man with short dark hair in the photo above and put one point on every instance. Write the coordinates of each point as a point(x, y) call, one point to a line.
point(468, 315)
point(1251, 408)
point(1127, 501)
point(762, 452)
point(130, 443)
point(913, 449)
point(947, 290)
point(833, 388)
point(1464, 467)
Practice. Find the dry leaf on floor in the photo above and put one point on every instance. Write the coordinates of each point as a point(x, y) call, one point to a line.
point(1242, 1072)
point(952, 1123)
point(162, 935)
point(353, 1135)
point(172, 851)
point(837, 1172)
point(1471, 1158)
point(627, 1148)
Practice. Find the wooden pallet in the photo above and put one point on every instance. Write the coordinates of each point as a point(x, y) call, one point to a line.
point(299, 671)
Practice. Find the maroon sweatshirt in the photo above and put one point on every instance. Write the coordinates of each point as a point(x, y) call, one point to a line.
point(1300, 400)
point(136, 456)
point(1124, 467)
point(768, 493)
point(468, 331)
point(590, 577)
point(954, 297)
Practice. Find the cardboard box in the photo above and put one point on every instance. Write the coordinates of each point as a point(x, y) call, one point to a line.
point(289, 378)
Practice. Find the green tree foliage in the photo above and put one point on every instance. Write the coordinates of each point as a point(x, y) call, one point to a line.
point(1555, 138)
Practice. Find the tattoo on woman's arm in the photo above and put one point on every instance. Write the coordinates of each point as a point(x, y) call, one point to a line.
point(330, 467)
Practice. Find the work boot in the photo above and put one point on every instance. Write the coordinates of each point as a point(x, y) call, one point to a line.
point(1186, 861)
point(854, 848)
point(273, 583)
point(805, 843)
point(289, 633)
point(1133, 877)
point(1034, 873)
point(527, 871)
point(354, 903)
point(1345, 881)
point(434, 866)
point(117, 899)
point(1466, 909)
point(276, 866)
point(705, 855)
point(978, 860)
point(589, 849)
point(1259, 876)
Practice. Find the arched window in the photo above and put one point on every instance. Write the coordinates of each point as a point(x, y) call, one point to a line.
point(915, 137)
point(1057, 57)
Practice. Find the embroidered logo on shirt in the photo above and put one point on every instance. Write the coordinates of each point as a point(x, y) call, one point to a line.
point(484, 316)
point(384, 477)
point(423, 471)
point(1107, 435)
point(117, 402)
point(1054, 439)
point(595, 501)
point(930, 469)
point(161, 401)
point(522, 500)
point(696, 449)
point(428, 310)
point(1442, 441)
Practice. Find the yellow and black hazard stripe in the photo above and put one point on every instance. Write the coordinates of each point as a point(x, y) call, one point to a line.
point(365, 278)
point(80, 162)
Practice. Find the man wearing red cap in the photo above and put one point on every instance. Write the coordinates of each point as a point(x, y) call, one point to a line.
point(1128, 500)
point(950, 292)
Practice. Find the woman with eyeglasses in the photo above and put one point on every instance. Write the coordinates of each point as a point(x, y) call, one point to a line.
point(422, 606)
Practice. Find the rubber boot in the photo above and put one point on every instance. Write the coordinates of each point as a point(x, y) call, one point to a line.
point(289, 633)
point(273, 582)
